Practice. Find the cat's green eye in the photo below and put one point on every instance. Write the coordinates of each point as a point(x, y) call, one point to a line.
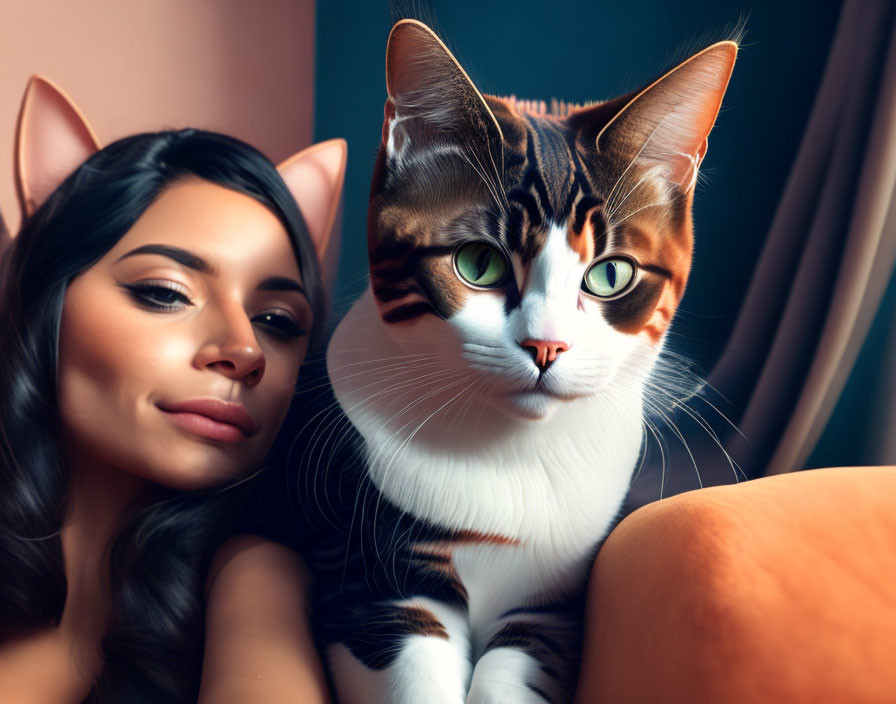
point(608, 277)
point(480, 265)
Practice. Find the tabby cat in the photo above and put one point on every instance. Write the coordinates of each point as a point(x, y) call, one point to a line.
point(525, 263)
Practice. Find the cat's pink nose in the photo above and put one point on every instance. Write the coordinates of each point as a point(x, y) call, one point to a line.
point(544, 352)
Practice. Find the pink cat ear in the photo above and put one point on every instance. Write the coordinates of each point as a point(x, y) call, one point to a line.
point(668, 122)
point(53, 138)
point(4, 235)
point(315, 176)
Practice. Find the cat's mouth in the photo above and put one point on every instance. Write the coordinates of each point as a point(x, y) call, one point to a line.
point(532, 404)
point(535, 403)
point(550, 386)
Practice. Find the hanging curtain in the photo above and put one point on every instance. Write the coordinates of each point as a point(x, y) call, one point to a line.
point(884, 432)
point(818, 283)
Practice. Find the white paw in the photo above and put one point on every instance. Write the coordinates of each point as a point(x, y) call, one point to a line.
point(508, 676)
point(426, 671)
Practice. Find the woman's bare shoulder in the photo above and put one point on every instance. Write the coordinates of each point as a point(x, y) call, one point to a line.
point(258, 639)
point(246, 558)
point(46, 666)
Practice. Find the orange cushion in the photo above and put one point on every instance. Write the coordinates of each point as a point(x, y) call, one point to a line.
point(782, 589)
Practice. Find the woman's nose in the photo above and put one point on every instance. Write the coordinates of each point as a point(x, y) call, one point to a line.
point(233, 350)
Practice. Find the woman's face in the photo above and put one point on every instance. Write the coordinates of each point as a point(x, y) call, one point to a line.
point(179, 349)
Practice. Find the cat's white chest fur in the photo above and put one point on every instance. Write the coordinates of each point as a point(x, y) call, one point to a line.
point(553, 485)
point(501, 578)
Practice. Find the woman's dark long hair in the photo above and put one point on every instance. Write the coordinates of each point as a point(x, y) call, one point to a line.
point(159, 559)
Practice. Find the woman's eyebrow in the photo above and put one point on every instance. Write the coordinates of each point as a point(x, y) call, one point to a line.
point(182, 256)
point(281, 283)
point(193, 261)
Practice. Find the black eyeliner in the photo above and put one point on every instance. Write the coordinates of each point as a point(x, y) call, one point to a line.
point(139, 292)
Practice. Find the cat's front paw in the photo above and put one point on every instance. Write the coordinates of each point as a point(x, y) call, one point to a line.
point(423, 671)
point(509, 676)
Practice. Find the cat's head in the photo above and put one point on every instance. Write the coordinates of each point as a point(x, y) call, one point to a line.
point(541, 250)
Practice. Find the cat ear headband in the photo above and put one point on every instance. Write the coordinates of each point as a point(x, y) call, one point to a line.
point(53, 138)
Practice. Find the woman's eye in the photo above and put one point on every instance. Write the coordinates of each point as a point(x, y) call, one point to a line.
point(480, 265)
point(608, 278)
point(161, 296)
point(280, 325)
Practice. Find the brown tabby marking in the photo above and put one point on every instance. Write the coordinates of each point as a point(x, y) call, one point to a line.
point(587, 232)
point(419, 621)
point(524, 636)
point(445, 548)
point(438, 563)
point(436, 557)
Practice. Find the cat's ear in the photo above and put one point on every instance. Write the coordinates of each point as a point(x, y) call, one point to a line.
point(314, 177)
point(668, 123)
point(4, 234)
point(431, 97)
point(53, 138)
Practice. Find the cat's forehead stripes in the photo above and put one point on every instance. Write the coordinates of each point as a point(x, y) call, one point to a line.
point(545, 181)
point(551, 166)
point(587, 228)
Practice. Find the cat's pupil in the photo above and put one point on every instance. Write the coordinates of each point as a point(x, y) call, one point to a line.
point(482, 262)
point(611, 275)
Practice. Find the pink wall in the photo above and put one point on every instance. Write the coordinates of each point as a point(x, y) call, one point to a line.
point(238, 67)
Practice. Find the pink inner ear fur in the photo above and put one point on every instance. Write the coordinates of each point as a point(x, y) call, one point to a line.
point(52, 140)
point(315, 176)
point(388, 116)
point(677, 111)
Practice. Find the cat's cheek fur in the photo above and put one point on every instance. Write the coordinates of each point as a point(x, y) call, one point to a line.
point(428, 335)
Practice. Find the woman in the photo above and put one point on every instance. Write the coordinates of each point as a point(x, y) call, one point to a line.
point(156, 310)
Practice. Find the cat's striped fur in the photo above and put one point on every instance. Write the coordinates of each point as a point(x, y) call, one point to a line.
point(490, 433)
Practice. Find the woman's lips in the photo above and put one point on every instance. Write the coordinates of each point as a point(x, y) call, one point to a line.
point(212, 418)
